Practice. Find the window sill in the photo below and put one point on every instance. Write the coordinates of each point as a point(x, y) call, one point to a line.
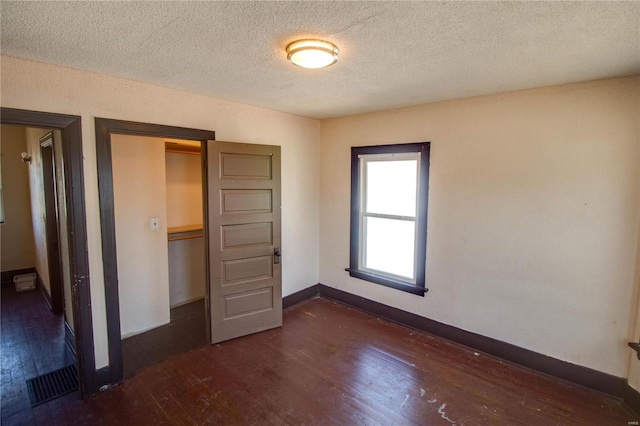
point(387, 282)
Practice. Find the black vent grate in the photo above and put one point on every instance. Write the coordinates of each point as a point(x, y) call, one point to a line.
point(52, 385)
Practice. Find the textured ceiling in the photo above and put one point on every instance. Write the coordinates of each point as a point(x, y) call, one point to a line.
point(391, 54)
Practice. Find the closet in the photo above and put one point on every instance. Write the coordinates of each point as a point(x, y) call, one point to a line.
point(158, 212)
point(185, 236)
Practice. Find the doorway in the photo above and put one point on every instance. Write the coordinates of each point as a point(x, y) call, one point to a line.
point(241, 227)
point(105, 128)
point(34, 330)
point(158, 211)
point(74, 231)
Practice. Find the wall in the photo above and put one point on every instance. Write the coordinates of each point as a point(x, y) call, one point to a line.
point(184, 207)
point(533, 215)
point(184, 189)
point(187, 271)
point(513, 251)
point(634, 361)
point(16, 234)
point(43, 87)
point(38, 210)
point(634, 336)
point(138, 165)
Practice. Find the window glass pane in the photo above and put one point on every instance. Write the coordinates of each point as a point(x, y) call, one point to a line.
point(391, 187)
point(389, 246)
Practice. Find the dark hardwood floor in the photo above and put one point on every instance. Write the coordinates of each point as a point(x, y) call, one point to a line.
point(185, 332)
point(32, 344)
point(330, 364)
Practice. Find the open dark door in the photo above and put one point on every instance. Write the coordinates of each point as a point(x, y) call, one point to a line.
point(51, 224)
point(244, 239)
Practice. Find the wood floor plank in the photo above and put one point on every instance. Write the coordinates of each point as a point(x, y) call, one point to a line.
point(328, 365)
point(32, 344)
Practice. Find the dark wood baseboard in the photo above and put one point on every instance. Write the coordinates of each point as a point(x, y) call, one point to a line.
point(7, 276)
point(103, 379)
point(632, 399)
point(43, 290)
point(300, 296)
point(613, 386)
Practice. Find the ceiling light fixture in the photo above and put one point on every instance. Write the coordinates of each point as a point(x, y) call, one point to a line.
point(311, 53)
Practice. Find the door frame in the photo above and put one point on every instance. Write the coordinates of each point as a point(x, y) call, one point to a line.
point(72, 157)
point(104, 129)
point(54, 260)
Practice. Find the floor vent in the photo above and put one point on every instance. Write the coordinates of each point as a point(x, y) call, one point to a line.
point(52, 385)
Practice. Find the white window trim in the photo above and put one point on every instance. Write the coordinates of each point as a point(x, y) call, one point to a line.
point(417, 285)
point(364, 161)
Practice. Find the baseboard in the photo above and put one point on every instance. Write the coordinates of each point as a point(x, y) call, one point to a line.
point(300, 296)
point(104, 379)
point(43, 290)
point(613, 386)
point(632, 399)
point(6, 277)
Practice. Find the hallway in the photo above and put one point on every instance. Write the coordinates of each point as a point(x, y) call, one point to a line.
point(32, 343)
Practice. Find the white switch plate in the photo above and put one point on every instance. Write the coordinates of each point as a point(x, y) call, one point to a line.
point(155, 223)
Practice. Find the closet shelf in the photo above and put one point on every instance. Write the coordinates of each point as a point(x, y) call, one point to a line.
point(182, 229)
point(185, 232)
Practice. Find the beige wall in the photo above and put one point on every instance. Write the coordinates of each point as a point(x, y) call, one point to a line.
point(184, 207)
point(37, 204)
point(533, 215)
point(149, 183)
point(634, 362)
point(184, 189)
point(16, 234)
point(187, 271)
point(38, 211)
point(139, 194)
point(634, 336)
point(42, 87)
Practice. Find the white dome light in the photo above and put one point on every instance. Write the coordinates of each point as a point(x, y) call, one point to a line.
point(312, 53)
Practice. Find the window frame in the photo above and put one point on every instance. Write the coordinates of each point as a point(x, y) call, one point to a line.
point(356, 235)
point(1, 198)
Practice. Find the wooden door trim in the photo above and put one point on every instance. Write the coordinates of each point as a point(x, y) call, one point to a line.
point(104, 129)
point(54, 261)
point(71, 129)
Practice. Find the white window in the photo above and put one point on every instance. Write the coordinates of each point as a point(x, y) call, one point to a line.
point(388, 215)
